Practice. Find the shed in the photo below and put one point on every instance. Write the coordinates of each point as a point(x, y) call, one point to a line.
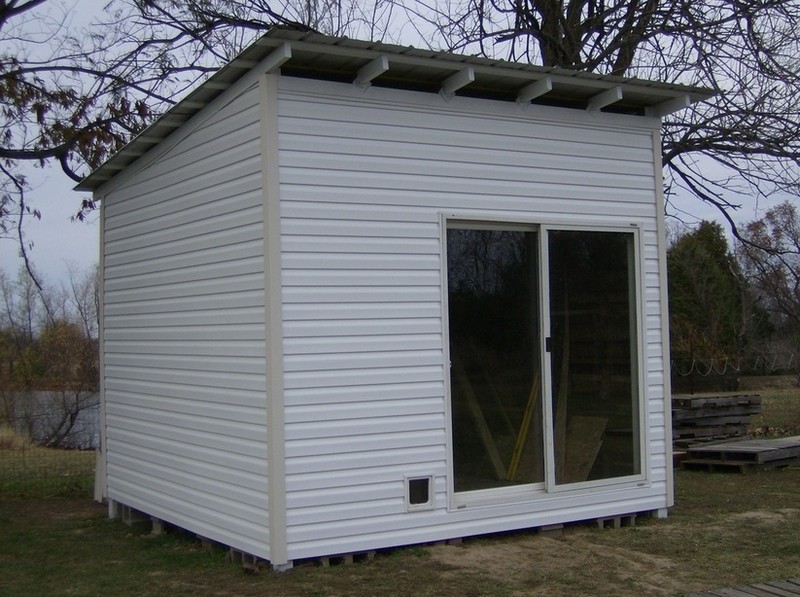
point(357, 295)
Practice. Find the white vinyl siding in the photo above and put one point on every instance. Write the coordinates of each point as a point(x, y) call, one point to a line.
point(184, 337)
point(365, 179)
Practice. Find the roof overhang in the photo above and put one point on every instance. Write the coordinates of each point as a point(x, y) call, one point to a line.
point(306, 54)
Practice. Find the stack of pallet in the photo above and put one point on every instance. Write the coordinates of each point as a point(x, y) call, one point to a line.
point(705, 417)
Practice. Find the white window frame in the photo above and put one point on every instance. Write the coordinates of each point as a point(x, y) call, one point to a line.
point(548, 489)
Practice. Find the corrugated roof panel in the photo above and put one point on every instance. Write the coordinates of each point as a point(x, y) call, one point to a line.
point(338, 58)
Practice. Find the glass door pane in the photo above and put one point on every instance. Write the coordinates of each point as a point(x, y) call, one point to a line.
point(593, 355)
point(496, 403)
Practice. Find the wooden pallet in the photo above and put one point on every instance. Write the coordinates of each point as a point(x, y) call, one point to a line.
point(745, 455)
point(715, 400)
point(780, 588)
point(704, 417)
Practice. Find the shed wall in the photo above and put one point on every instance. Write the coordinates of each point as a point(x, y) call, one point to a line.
point(183, 328)
point(365, 178)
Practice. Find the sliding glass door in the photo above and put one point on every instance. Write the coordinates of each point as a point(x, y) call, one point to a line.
point(543, 356)
point(593, 355)
point(495, 369)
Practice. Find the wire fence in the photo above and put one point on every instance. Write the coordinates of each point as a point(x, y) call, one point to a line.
point(31, 471)
point(767, 364)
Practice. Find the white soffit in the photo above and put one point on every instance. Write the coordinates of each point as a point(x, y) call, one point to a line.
point(306, 54)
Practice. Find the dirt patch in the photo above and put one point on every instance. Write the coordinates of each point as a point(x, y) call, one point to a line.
point(779, 516)
point(539, 560)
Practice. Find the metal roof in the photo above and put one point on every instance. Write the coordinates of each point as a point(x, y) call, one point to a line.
point(308, 54)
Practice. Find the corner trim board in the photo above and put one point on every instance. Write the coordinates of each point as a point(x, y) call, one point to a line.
point(276, 448)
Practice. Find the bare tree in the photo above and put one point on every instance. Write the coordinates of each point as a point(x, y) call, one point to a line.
point(69, 96)
point(75, 95)
point(771, 260)
point(741, 146)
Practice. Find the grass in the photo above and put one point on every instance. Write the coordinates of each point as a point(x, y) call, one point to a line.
point(28, 470)
point(780, 413)
point(725, 530)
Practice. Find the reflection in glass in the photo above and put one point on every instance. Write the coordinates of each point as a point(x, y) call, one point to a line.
point(593, 360)
point(494, 351)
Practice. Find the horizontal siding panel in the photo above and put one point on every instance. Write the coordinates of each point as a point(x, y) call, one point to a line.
point(490, 135)
point(338, 330)
point(231, 229)
point(362, 294)
point(596, 172)
point(350, 210)
point(362, 360)
point(189, 332)
point(301, 518)
point(253, 464)
point(352, 461)
point(543, 156)
point(211, 507)
point(357, 377)
point(238, 407)
point(345, 482)
point(324, 278)
point(212, 379)
point(361, 229)
point(136, 266)
point(453, 128)
point(577, 188)
point(338, 244)
point(354, 494)
point(188, 437)
point(520, 200)
point(144, 412)
point(368, 424)
point(309, 343)
point(211, 364)
point(358, 411)
point(326, 396)
point(201, 305)
point(219, 317)
point(361, 261)
point(227, 476)
point(203, 482)
point(242, 283)
point(206, 203)
point(359, 311)
point(215, 348)
point(176, 178)
point(365, 445)
point(197, 398)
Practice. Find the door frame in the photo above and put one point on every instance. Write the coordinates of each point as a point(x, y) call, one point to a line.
point(548, 488)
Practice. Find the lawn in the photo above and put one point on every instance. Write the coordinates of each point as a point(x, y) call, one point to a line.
point(725, 530)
